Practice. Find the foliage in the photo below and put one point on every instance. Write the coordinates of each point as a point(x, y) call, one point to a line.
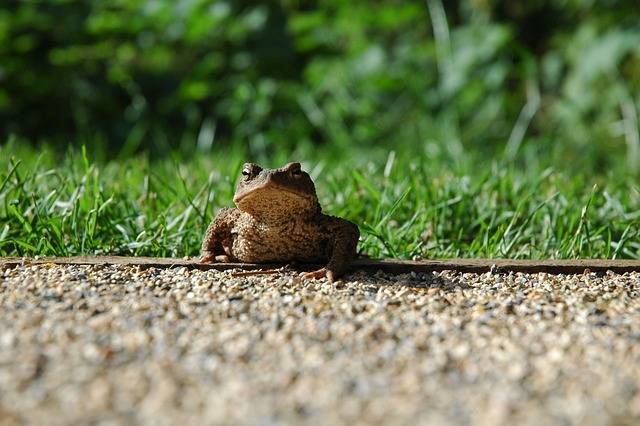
point(492, 77)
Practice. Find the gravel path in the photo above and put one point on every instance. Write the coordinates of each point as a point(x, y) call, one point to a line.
point(118, 344)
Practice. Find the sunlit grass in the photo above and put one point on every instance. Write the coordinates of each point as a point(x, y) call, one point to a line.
point(405, 205)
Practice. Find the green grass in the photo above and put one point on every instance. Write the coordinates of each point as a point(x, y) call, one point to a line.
point(405, 204)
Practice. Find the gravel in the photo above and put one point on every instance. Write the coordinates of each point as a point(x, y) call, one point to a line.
point(124, 345)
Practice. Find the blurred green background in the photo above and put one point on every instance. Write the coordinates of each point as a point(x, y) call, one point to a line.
point(517, 79)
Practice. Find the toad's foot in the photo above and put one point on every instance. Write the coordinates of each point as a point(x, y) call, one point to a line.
point(211, 258)
point(320, 273)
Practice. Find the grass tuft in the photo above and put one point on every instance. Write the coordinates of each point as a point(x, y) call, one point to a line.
point(406, 205)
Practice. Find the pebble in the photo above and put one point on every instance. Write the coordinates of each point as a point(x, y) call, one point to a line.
point(120, 345)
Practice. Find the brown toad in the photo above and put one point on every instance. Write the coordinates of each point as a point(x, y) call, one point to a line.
point(279, 219)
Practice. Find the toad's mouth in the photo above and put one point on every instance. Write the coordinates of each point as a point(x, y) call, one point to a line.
point(267, 192)
point(276, 202)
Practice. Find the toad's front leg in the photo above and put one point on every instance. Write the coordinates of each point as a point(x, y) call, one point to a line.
point(216, 246)
point(343, 250)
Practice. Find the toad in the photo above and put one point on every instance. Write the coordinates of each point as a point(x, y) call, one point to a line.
point(278, 220)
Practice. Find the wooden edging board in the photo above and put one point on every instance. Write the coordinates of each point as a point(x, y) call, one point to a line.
point(393, 266)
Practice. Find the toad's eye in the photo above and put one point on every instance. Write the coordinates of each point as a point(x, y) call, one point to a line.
point(250, 171)
point(297, 174)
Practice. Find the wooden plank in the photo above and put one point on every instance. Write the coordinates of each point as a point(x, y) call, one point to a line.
point(393, 266)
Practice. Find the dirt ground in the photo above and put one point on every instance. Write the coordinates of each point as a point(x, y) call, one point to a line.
point(164, 341)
